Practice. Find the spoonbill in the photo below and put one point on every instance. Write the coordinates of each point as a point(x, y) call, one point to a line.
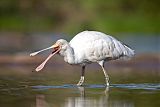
point(88, 47)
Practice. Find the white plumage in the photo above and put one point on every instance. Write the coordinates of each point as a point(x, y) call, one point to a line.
point(96, 46)
point(87, 47)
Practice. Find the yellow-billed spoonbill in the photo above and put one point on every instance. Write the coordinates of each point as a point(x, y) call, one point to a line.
point(88, 47)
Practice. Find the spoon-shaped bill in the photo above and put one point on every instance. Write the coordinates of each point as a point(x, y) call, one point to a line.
point(35, 53)
point(41, 66)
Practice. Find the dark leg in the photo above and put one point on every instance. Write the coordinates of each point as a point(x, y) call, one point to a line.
point(82, 76)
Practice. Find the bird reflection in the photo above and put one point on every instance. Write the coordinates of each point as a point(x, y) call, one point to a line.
point(83, 101)
point(82, 91)
point(85, 98)
point(40, 101)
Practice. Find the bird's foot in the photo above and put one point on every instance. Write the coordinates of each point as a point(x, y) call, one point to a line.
point(81, 81)
point(107, 81)
point(107, 84)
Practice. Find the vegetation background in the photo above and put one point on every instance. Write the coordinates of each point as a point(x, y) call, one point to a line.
point(72, 16)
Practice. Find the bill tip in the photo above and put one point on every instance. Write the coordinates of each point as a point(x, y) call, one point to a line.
point(33, 54)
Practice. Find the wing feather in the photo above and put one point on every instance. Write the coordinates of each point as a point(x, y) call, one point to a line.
point(94, 46)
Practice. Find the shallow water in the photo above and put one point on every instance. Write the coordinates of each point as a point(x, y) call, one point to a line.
point(145, 86)
point(132, 84)
point(91, 95)
point(40, 90)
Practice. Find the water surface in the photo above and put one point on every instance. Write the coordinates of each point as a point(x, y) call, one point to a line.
point(133, 84)
point(34, 92)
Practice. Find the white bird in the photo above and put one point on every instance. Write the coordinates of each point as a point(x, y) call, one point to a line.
point(89, 47)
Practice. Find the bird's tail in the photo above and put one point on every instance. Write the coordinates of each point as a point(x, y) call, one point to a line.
point(128, 53)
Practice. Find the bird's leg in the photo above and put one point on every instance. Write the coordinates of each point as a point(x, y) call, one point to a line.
point(105, 72)
point(82, 76)
point(106, 76)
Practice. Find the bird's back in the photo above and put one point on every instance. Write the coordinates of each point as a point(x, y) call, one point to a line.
point(93, 46)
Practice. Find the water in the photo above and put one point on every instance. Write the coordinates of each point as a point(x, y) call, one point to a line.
point(69, 95)
point(134, 83)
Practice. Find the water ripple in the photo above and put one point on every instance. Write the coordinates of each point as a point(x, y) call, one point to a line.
point(145, 86)
point(43, 87)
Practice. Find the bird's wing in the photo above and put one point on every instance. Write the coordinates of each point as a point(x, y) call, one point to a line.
point(94, 46)
point(121, 50)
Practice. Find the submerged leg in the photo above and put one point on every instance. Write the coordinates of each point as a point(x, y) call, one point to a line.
point(105, 72)
point(82, 76)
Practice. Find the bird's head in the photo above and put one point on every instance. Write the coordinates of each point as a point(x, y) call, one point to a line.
point(59, 47)
point(62, 45)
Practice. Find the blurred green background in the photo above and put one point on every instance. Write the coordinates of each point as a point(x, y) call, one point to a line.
point(72, 16)
point(30, 25)
point(27, 25)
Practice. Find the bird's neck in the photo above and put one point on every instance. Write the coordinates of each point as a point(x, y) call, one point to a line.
point(69, 55)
